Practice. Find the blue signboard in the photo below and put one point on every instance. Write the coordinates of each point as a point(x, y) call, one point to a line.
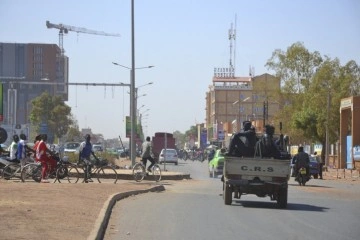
point(349, 162)
point(43, 128)
point(203, 138)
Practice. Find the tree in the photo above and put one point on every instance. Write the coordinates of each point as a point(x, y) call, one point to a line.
point(183, 138)
point(192, 131)
point(295, 68)
point(73, 134)
point(52, 111)
point(313, 87)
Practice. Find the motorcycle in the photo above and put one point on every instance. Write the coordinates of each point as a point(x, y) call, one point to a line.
point(302, 176)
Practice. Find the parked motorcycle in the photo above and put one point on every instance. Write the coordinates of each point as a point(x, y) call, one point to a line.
point(302, 177)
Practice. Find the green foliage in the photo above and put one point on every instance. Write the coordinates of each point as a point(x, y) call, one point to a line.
point(307, 122)
point(53, 111)
point(191, 132)
point(180, 139)
point(295, 67)
point(73, 134)
point(312, 88)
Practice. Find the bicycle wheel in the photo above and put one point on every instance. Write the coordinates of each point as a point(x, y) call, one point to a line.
point(106, 172)
point(31, 172)
point(68, 173)
point(83, 175)
point(156, 171)
point(138, 172)
point(10, 170)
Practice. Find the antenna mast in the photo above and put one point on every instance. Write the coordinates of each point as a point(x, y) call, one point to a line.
point(232, 39)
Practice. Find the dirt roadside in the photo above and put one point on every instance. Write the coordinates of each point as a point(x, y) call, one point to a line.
point(56, 210)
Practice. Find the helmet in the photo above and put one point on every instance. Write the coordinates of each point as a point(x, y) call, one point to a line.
point(16, 138)
point(270, 130)
point(246, 125)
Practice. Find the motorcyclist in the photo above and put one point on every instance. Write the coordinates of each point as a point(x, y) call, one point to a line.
point(301, 159)
point(243, 147)
point(211, 154)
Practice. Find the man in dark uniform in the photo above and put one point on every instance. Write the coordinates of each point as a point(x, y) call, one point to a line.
point(242, 144)
point(301, 159)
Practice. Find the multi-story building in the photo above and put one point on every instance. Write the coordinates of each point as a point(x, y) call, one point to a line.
point(26, 71)
point(232, 100)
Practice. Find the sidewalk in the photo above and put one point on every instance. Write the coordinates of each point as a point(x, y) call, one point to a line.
point(126, 174)
point(349, 174)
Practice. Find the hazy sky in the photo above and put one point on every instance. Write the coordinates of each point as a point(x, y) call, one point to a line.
point(183, 39)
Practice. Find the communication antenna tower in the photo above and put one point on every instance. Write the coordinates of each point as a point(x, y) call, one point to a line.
point(232, 39)
point(251, 71)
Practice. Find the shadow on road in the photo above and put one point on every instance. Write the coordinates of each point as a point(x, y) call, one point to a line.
point(308, 185)
point(273, 205)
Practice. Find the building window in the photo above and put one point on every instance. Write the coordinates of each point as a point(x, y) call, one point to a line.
point(258, 109)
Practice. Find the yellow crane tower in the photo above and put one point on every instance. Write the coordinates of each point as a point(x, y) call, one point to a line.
point(66, 28)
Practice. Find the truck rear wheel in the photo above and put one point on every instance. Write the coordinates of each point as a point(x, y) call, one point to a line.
point(282, 198)
point(227, 194)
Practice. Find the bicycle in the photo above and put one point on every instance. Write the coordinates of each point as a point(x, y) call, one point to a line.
point(13, 169)
point(62, 170)
point(101, 169)
point(139, 172)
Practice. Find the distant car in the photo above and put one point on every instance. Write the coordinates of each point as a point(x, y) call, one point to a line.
point(97, 148)
point(3, 146)
point(71, 147)
point(113, 152)
point(123, 152)
point(169, 156)
point(216, 164)
point(314, 167)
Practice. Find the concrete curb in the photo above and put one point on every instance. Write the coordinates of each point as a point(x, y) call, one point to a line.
point(171, 176)
point(102, 220)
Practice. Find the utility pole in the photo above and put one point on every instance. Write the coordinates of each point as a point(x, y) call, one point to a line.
point(327, 130)
point(132, 89)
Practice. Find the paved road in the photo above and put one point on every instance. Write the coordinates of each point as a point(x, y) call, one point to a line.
point(194, 209)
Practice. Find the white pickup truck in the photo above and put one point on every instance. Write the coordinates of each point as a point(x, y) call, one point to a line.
point(260, 176)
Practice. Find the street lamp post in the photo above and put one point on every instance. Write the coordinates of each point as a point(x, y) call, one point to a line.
point(327, 130)
point(239, 102)
point(133, 93)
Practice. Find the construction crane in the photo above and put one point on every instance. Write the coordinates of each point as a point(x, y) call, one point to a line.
point(66, 28)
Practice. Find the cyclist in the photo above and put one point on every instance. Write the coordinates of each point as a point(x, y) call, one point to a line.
point(147, 154)
point(22, 149)
point(85, 150)
point(13, 148)
point(43, 158)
